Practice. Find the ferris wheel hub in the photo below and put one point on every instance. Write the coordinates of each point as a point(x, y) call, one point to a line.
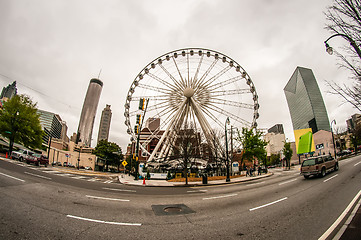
point(188, 92)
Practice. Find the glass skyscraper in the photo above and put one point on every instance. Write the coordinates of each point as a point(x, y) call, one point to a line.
point(305, 101)
point(87, 117)
point(104, 125)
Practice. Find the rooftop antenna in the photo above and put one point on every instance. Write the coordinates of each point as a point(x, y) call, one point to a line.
point(99, 73)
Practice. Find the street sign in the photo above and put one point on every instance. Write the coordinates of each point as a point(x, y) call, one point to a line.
point(124, 163)
point(319, 146)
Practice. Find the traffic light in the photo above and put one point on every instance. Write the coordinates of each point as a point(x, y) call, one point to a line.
point(141, 103)
point(139, 118)
point(136, 129)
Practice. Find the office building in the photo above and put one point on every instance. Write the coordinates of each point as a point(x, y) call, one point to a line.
point(305, 101)
point(9, 91)
point(51, 124)
point(353, 122)
point(87, 117)
point(104, 125)
point(278, 128)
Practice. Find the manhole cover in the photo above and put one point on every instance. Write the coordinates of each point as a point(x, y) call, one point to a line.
point(171, 209)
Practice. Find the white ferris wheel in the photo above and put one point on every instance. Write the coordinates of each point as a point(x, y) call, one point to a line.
point(194, 85)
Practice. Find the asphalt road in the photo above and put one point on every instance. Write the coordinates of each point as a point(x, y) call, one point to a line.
point(38, 203)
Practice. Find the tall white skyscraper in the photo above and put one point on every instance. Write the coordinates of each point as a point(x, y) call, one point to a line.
point(86, 122)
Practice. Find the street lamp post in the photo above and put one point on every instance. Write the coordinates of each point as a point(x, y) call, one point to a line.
point(329, 49)
point(227, 160)
point(333, 138)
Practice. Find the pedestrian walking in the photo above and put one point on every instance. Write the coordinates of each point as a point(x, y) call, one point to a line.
point(259, 170)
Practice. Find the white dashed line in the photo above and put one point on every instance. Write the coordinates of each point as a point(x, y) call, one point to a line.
point(111, 199)
point(36, 175)
point(119, 190)
point(288, 181)
point(265, 205)
point(224, 196)
point(357, 164)
point(330, 178)
point(106, 222)
point(252, 184)
point(12, 177)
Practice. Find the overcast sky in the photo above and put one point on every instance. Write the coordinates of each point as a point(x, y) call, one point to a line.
point(53, 48)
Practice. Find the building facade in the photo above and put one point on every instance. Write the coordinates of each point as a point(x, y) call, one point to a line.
point(104, 126)
point(9, 91)
point(51, 124)
point(87, 117)
point(305, 101)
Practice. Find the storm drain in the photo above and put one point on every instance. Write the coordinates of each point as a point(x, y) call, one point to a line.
point(172, 209)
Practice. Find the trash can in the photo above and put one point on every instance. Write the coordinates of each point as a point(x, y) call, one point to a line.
point(204, 179)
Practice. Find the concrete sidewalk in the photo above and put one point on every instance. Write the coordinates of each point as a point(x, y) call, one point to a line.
point(129, 180)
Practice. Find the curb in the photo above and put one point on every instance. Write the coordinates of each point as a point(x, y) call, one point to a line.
point(198, 184)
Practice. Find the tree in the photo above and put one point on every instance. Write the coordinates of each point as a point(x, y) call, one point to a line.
point(356, 137)
point(253, 144)
point(110, 152)
point(287, 152)
point(19, 122)
point(344, 20)
point(186, 146)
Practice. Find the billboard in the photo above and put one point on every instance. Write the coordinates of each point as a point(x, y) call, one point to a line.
point(304, 141)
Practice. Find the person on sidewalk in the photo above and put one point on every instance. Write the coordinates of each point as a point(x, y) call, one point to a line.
point(259, 170)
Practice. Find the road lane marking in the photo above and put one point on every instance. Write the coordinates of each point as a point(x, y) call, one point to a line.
point(224, 196)
point(108, 181)
point(265, 205)
point(288, 181)
point(340, 218)
point(50, 171)
point(255, 183)
point(106, 222)
point(36, 175)
point(12, 177)
point(79, 177)
point(296, 174)
point(92, 180)
point(357, 163)
point(330, 178)
point(64, 174)
point(112, 199)
point(120, 190)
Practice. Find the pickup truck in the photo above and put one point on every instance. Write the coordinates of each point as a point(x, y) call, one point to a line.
point(21, 155)
point(318, 166)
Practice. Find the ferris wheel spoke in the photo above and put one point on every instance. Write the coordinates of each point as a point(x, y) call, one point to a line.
point(158, 97)
point(215, 77)
point(174, 88)
point(231, 103)
point(197, 71)
point(224, 83)
point(209, 114)
point(230, 92)
point(180, 75)
point(157, 89)
point(229, 114)
point(205, 74)
point(176, 82)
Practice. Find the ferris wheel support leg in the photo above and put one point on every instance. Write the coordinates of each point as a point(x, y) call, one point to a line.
point(172, 132)
point(166, 132)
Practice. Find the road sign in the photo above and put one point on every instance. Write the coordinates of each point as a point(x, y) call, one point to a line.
point(124, 163)
point(319, 146)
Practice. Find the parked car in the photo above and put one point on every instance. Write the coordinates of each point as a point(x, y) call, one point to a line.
point(71, 165)
point(344, 152)
point(88, 168)
point(21, 154)
point(56, 163)
point(66, 164)
point(42, 159)
point(30, 158)
point(318, 166)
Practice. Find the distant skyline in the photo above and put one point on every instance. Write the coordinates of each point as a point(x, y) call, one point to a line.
point(53, 48)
